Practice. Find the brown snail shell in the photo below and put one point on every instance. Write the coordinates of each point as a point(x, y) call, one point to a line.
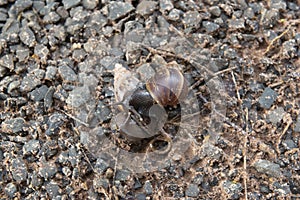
point(167, 87)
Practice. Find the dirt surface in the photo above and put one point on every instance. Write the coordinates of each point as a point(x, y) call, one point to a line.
point(64, 66)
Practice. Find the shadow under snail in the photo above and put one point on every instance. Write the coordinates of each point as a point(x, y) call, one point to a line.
point(146, 114)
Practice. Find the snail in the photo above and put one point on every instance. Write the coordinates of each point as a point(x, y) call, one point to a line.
point(148, 101)
point(166, 88)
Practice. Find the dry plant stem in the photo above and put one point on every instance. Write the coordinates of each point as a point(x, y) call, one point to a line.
point(275, 39)
point(80, 147)
point(289, 122)
point(72, 117)
point(236, 87)
point(276, 84)
point(223, 71)
point(245, 174)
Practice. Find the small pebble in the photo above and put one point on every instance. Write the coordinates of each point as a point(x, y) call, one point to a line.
point(148, 188)
point(267, 98)
point(7, 62)
point(268, 168)
point(70, 3)
point(67, 73)
point(276, 115)
point(31, 147)
point(14, 125)
point(78, 97)
point(10, 190)
point(119, 9)
point(27, 37)
point(146, 7)
point(39, 93)
point(19, 169)
point(192, 190)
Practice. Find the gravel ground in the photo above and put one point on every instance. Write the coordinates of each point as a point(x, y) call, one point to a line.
point(60, 66)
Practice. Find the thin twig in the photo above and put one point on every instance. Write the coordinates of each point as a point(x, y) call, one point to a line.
point(289, 122)
point(275, 39)
point(245, 154)
point(72, 117)
point(236, 87)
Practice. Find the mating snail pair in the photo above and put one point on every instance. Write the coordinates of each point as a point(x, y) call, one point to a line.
point(142, 106)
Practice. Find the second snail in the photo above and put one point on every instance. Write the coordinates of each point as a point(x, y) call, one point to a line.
point(142, 111)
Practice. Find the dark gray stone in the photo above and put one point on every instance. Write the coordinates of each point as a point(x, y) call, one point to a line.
point(19, 6)
point(210, 27)
point(90, 4)
point(97, 20)
point(175, 14)
point(297, 125)
point(78, 55)
point(118, 9)
point(289, 49)
point(3, 71)
point(278, 4)
point(14, 85)
point(14, 125)
point(50, 72)
point(289, 144)
point(100, 183)
point(48, 99)
point(22, 53)
point(3, 15)
point(211, 151)
point(276, 115)
point(236, 24)
point(78, 96)
point(7, 61)
point(191, 19)
point(249, 13)
point(70, 3)
point(29, 82)
point(38, 94)
point(133, 52)
point(192, 190)
point(146, 7)
point(122, 175)
point(268, 168)
point(67, 73)
point(31, 147)
point(51, 18)
point(148, 187)
point(27, 36)
point(134, 31)
point(53, 189)
point(10, 190)
point(140, 196)
point(19, 169)
point(232, 189)
point(60, 93)
point(47, 170)
point(165, 6)
point(10, 28)
point(54, 122)
point(215, 10)
point(271, 18)
point(267, 98)
point(103, 112)
point(101, 166)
